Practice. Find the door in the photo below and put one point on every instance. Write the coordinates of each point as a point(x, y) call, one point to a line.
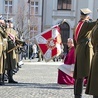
point(65, 31)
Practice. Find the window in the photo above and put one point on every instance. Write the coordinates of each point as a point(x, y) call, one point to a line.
point(8, 6)
point(34, 7)
point(64, 5)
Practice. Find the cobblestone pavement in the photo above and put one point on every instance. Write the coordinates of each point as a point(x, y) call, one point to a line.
point(37, 80)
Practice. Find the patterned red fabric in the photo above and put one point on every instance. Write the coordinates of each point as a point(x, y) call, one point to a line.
point(49, 42)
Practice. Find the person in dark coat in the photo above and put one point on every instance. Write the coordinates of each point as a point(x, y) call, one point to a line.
point(83, 50)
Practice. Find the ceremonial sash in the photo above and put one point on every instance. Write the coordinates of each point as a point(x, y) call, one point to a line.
point(78, 28)
point(11, 37)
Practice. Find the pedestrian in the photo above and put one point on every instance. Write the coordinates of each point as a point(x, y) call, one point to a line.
point(40, 56)
point(34, 47)
point(65, 71)
point(30, 50)
point(83, 50)
point(23, 52)
point(92, 86)
point(3, 46)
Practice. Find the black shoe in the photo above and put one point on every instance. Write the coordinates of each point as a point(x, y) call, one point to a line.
point(19, 66)
point(5, 77)
point(1, 79)
point(38, 60)
point(12, 81)
point(1, 83)
point(78, 96)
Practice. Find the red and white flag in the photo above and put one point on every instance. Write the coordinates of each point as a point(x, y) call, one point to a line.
point(49, 42)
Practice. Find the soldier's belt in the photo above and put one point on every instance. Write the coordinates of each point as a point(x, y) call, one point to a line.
point(84, 41)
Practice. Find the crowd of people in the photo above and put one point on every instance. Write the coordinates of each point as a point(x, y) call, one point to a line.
point(34, 52)
point(9, 46)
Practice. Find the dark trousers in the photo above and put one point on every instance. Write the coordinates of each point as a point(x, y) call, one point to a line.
point(10, 75)
point(78, 88)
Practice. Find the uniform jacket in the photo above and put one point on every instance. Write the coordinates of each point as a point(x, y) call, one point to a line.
point(83, 50)
point(11, 56)
point(92, 87)
point(2, 50)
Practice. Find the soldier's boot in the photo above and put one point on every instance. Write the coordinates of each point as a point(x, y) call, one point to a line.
point(10, 77)
point(78, 96)
point(1, 79)
point(95, 96)
point(78, 88)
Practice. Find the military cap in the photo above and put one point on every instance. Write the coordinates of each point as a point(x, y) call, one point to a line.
point(1, 17)
point(10, 21)
point(85, 11)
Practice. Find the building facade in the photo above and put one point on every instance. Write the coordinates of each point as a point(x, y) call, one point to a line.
point(46, 13)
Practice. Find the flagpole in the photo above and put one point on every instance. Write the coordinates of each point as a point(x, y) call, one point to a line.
point(29, 27)
point(42, 16)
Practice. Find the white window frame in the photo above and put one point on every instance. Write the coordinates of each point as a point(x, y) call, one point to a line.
point(62, 5)
point(34, 6)
point(8, 5)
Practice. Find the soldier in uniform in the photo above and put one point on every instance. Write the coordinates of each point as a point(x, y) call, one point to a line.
point(92, 86)
point(83, 50)
point(3, 45)
point(11, 56)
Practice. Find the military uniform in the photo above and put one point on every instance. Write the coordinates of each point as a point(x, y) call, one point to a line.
point(3, 45)
point(83, 51)
point(92, 86)
point(12, 57)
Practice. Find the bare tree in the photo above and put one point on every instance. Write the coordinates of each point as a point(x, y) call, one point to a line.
point(21, 18)
point(23, 15)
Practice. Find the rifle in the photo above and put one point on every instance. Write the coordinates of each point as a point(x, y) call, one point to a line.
point(14, 48)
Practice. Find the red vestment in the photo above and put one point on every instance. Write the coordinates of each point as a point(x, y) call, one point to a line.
point(65, 71)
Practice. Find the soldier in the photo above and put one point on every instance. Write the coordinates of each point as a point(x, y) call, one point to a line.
point(92, 86)
point(12, 57)
point(3, 45)
point(83, 50)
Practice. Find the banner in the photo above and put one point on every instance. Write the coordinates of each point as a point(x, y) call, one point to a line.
point(49, 42)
